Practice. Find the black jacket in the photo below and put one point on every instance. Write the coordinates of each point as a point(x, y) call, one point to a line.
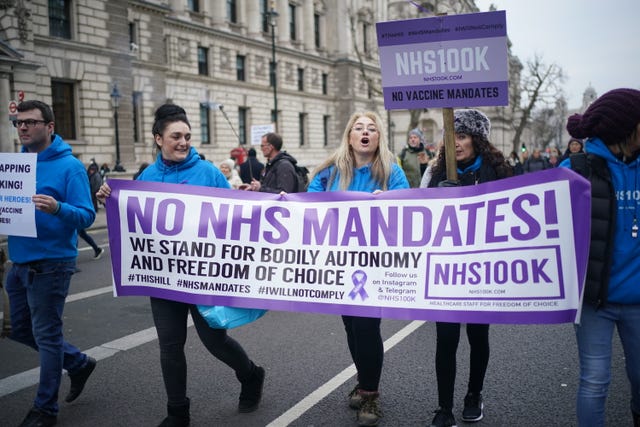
point(603, 223)
point(280, 175)
point(255, 171)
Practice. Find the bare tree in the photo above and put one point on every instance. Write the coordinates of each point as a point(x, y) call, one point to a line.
point(540, 86)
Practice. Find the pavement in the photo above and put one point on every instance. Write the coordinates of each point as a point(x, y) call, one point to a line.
point(101, 220)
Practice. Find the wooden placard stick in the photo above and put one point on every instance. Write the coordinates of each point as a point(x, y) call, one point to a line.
point(449, 145)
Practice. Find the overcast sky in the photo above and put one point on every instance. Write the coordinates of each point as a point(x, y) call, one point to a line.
point(595, 42)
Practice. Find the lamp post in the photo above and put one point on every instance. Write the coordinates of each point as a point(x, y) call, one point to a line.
point(115, 103)
point(274, 74)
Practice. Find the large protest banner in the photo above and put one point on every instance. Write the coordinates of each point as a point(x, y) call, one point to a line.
point(444, 61)
point(17, 185)
point(509, 251)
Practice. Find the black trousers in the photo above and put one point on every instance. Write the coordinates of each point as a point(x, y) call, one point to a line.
point(366, 348)
point(170, 318)
point(448, 337)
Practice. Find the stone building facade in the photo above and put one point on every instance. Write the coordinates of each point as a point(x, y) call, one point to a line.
point(202, 54)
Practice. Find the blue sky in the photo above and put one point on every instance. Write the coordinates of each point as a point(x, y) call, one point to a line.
point(595, 42)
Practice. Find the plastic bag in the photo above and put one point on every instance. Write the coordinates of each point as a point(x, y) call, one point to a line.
point(223, 317)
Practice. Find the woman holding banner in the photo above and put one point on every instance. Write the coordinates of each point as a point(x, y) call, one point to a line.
point(179, 163)
point(477, 161)
point(362, 162)
point(612, 287)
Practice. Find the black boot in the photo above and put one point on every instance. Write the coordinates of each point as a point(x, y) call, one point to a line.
point(178, 415)
point(636, 419)
point(251, 391)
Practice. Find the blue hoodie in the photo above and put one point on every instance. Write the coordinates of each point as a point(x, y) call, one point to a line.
point(60, 175)
point(625, 268)
point(362, 180)
point(192, 170)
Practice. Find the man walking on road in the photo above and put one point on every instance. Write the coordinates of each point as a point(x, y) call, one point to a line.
point(38, 281)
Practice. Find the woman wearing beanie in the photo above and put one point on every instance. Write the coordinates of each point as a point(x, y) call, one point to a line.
point(477, 161)
point(612, 287)
point(414, 157)
point(574, 146)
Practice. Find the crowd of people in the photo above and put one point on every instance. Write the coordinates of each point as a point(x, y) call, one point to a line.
point(604, 148)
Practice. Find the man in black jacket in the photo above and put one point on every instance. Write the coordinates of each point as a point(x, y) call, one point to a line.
point(252, 168)
point(279, 173)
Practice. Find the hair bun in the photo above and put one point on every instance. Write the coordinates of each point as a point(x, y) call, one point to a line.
point(168, 110)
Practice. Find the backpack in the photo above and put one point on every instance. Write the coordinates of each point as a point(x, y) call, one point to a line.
point(303, 178)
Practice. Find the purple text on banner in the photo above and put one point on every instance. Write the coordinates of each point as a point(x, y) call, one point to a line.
point(509, 251)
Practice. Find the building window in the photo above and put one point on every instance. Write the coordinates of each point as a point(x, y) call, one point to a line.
point(242, 125)
point(205, 126)
point(274, 116)
point(302, 120)
point(240, 67)
point(134, 45)
point(232, 15)
point(64, 108)
point(272, 74)
point(325, 83)
point(264, 14)
point(193, 5)
point(292, 22)
point(203, 61)
point(316, 30)
point(301, 79)
point(60, 18)
point(365, 38)
point(136, 99)
point(325, 131)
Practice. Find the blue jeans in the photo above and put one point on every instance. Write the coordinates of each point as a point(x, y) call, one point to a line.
point(595, 335)
point(37, 292)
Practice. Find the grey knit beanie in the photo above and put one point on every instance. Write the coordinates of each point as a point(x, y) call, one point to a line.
point(471, 122)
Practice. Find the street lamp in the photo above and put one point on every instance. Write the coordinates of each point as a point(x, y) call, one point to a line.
point(274, 74)
point(115, 103)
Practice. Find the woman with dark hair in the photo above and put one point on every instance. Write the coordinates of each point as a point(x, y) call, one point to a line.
point(612, 287)
point(477, 161)
point(179, 163)
point(362, 162)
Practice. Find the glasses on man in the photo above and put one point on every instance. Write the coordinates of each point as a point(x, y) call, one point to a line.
point(370, 129)
point(29, 123)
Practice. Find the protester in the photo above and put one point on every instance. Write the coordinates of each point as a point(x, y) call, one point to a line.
point(97, 250)
point(142, 167)
point(414, 157)
point(362, 162)
point(535, 162)
point(95, 181)
point(178, 162)
point(575, 146)
point(39, 279)
point(477, 161)
point(279, 174)
point(228, 169)
point(515, 163)
point(252, 168)
point(611, 294)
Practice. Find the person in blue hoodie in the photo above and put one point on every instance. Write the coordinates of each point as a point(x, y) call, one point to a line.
point(612, 287)
point(179, 163)
point(362, 162)
point(38, 281)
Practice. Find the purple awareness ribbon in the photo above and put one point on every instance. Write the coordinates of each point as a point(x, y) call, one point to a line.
point(359, 279)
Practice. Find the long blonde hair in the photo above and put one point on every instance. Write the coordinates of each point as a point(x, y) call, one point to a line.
point(344, 160)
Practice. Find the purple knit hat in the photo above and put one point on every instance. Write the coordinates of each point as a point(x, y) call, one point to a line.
point(612, 117)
